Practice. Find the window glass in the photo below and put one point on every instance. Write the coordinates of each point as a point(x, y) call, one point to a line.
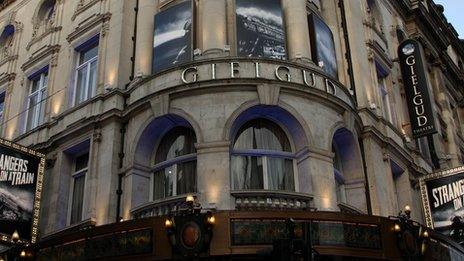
point(80, 170)
point(175, 164)
point(86, 72)
point(2, 105)
point(247, 172)
point(280, 173)
point(82, 161)
point(262, 158)
point(88, 54)
point(265, 135)
point(36, 100)
point(77, 199)
point(179, 141)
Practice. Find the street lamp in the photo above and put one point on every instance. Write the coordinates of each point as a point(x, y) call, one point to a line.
point(15, 237)
point(412, 238)
point(189, 229)
point(407, 211)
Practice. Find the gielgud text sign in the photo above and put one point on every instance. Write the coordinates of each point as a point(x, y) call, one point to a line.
point(21, 173)
point(416, 88)
point(443, 198)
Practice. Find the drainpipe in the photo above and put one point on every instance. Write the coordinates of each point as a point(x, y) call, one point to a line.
point(124, 124)
point(120, 175)
point(341, 5)
point(134, 40)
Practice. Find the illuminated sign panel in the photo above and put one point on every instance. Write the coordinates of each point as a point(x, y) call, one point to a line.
point(21, 173)
point(443, 199)
point(260, 29)
point(172, 44)
point(416, 88)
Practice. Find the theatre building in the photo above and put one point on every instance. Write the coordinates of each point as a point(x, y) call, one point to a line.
point(287, 122)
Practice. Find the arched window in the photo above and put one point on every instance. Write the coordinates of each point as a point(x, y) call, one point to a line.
point(262, 158)
point(7, 36)
point(376, 14)
point(338, 174)
point(175, 164)
point(46, 10)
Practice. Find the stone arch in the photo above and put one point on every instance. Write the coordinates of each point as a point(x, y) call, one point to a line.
point(7, 35)
point(346, 149)
point(44, 11)
point(282, 114)
point(290, 122)
point(152, 132)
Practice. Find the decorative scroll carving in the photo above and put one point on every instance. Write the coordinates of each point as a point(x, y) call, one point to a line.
point(83, 5)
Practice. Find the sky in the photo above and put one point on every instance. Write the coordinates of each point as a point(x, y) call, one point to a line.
point(454, 13)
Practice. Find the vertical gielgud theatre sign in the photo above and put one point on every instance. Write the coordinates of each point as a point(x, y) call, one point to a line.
point(443, 199)
point(21, 173)
point(416, 88)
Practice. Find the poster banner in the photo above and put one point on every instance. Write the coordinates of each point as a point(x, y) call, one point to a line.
point(322, 44)
point(415, 82)
point(260, 29)
point(443, 199)
point(21, 173)
point(172, 43)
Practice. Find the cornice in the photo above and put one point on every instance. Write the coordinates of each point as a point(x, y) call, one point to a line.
point(87, 25)
point(40, 56)
point(82, 7)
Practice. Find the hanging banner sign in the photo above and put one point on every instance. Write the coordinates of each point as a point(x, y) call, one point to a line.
point(443, 200)
point(416, 88)
point(21, 173)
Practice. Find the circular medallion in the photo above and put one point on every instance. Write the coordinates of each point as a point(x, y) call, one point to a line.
point(190, 234)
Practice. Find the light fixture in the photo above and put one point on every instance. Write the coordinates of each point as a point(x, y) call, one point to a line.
point(189, 199)
point(407, 210)
point(121, 220)
point(168, 223)
point(425, 234)
point(211, 220)
point(23, 253)
point(397, 228)
point(15, 236)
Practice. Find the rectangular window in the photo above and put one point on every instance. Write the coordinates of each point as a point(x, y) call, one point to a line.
point(78, 187)
point(36, 100)
point(86, 72)
point(262, 172)
point(385, 99)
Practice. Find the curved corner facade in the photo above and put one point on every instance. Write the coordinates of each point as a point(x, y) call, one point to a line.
point(300, 111)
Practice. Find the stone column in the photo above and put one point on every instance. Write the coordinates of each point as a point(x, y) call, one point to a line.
point(212, 26)
point(213, 175)
point(136, 189)
point(450, 146)
point(323, 181)
point(145, 33)
point(296, 27)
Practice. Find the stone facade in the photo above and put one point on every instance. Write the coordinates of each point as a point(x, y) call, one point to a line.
point(124, 120)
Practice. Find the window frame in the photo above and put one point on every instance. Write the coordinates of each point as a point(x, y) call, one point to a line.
point(92, 43)
point(171, 163)
point(265, 155)
point(39, 107)
point(76, 174)
point(2, 100)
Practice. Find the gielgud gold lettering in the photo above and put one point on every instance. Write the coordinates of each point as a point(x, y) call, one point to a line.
point(417, 100)
point(281, 72)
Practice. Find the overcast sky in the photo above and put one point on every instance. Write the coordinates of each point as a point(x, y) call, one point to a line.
point(454, 10)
